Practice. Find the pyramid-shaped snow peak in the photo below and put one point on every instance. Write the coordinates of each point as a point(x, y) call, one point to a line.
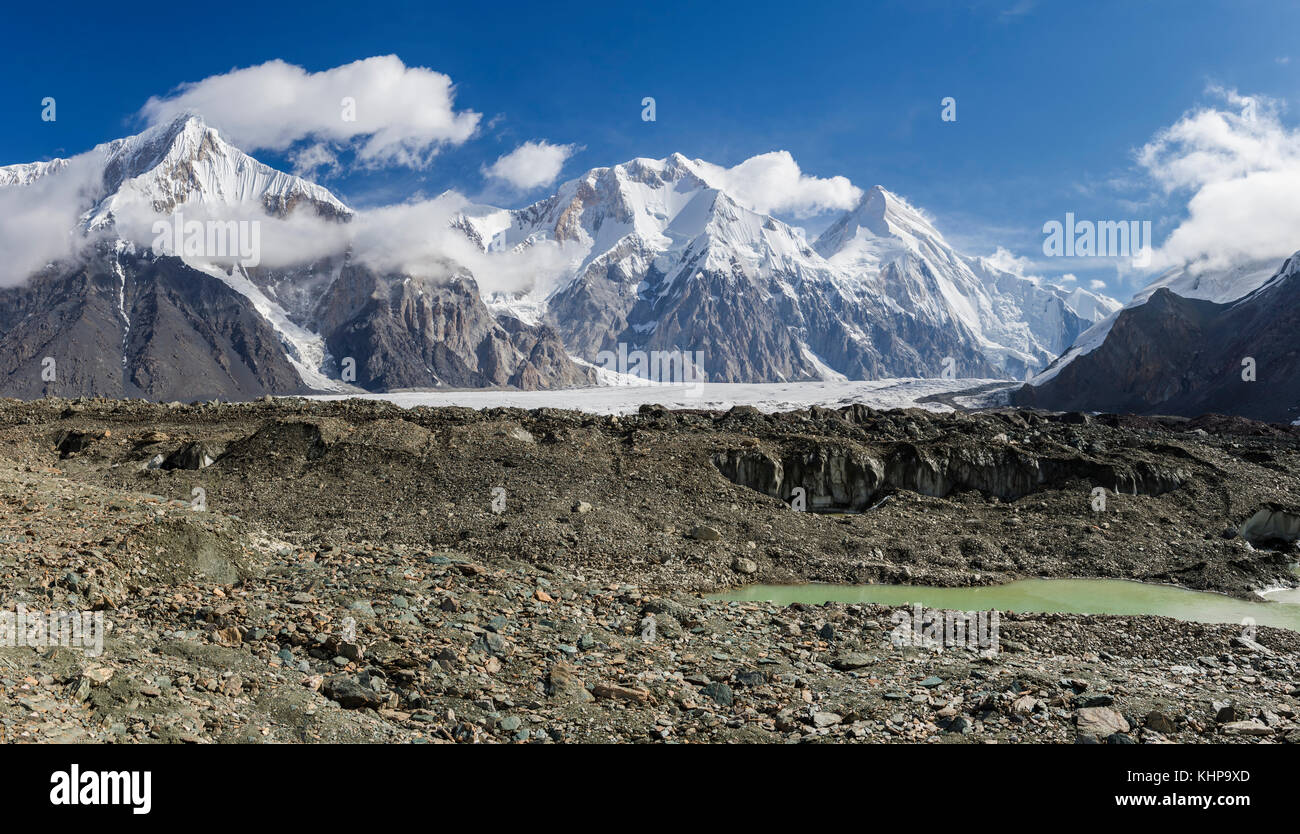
point(185, 161)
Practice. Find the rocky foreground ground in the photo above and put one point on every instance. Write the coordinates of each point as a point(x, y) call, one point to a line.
point(294, 571)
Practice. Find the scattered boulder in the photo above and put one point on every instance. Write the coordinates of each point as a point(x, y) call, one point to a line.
point(350, 693)
point(563, 684)
point(704, 533)
point(1100, 721)
point(1249, 727)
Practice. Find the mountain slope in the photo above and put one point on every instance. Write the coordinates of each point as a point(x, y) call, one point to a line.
point(1017, 322)
point(1171, 354)
point(418, 333)
point(658, 258)
point(122, 325)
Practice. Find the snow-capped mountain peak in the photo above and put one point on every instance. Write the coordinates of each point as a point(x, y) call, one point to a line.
point(187, 161)
point(184, 161)
point(1018, 321)
point(133, 322)
point(879, 227)
point(655, 253)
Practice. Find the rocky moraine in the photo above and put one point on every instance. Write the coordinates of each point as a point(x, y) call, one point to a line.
point(298, 571)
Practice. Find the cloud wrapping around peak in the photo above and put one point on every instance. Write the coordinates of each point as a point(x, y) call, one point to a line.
point(1242, 168)
point(1007, 261)
point(392, 114)
point(416, 238)
point(531, 165)
point(38, 222)
point(772, 183)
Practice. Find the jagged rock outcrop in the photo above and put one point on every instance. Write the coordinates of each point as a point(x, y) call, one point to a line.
point(848, 478)
point(409, 332)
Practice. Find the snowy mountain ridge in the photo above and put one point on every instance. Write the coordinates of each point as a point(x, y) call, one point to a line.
point(664, 219)
point(1220, 286)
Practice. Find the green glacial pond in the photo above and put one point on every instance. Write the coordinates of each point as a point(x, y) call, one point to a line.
point(1071, 596)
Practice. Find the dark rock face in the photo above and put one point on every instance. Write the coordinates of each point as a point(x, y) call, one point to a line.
point(843, 477)
point(832, 477)
point(1184, 357)
point(406, 332)
point(136, 327)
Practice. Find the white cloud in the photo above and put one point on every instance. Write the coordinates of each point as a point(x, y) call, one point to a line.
point(312, 158)
point(1007, 261)
point(418, 239)
point(414, 238)
point(1029, 269)
point(402, 114)
point(1241, 166)
point(531, 165)
point(38, 221)
point(772, 183)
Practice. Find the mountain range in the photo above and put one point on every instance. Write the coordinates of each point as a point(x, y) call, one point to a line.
point(653, 256)
point(667, 261)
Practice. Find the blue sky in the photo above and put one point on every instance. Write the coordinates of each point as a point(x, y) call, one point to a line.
point(1053, 98)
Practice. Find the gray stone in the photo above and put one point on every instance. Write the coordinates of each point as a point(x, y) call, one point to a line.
point(1100, 721)
point(720, 693)
point(704, 533)
point(849, 661)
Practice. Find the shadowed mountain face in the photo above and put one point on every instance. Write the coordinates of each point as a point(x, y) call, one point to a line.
point(1180, 356)
point(127, 326)
point(122, 325)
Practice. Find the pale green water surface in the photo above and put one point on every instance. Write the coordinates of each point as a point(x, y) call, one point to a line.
point(1072, 596)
